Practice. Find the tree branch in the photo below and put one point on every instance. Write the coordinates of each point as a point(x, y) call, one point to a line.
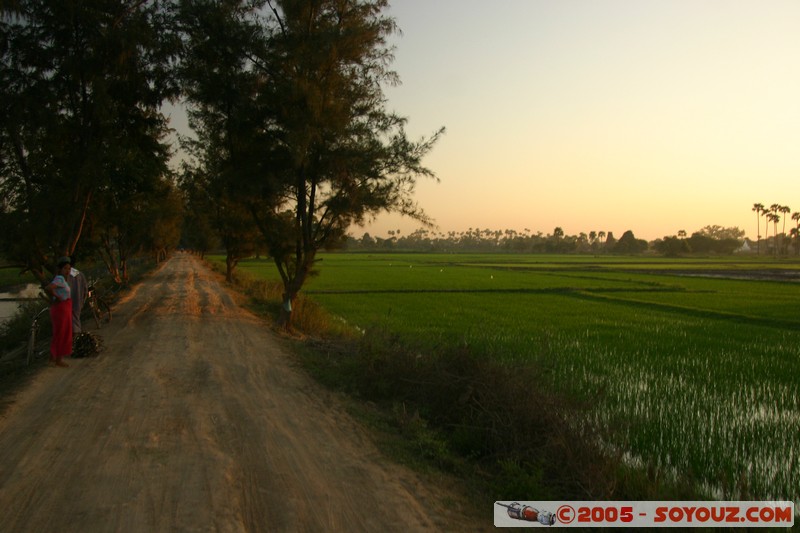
point(277, 16)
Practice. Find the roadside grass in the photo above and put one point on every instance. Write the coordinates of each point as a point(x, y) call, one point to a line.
point(459, 400)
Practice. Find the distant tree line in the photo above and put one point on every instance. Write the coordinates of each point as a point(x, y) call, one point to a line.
point(707, 240)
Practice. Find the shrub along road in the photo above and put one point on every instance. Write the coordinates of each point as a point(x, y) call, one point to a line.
point(194, 418)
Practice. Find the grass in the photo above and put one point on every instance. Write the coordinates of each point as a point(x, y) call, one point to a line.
point(688, 379)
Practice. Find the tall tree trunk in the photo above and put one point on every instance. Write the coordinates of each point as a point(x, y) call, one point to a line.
point(758, 232)
point(230, 265)
point(110, 259)
point(292, 283)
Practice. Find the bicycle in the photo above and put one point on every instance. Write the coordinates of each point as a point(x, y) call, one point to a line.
point(34, 332)
point(101, 311)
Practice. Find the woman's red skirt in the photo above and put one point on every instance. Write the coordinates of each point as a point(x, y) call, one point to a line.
point(61, 318)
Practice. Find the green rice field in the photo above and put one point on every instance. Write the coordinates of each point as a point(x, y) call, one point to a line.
point(694, 363)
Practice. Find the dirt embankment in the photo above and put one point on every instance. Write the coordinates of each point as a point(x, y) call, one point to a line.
point(195, 419)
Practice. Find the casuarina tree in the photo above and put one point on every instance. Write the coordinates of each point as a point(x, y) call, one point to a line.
point(341, 156)
point(228, 178)
point(81, 84)
point(288, 98)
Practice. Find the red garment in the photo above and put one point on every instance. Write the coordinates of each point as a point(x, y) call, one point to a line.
point(61, 318)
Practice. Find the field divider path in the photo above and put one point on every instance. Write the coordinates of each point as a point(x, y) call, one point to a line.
point(523, 290)
point(694, 312)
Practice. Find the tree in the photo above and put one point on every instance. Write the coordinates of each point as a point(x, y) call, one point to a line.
point(231, 149)
point(610, 241)
point(222, 208)
point(785, 210)
point(165, 216)
point(130, 216)
point(716, 239)
point(81, 84)
point(721, 233)
point(339, 155)
point(773, 217)
point(367, 240)
point(288, 102)
point(629, 244)
point(766, 214)
point(672, 246)
point(796, 218)
point(758, 208)
point(197, 233)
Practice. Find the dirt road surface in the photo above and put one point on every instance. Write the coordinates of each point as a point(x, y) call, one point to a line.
point(194, 418)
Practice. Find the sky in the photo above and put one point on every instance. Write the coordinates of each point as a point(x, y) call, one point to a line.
point(600, 115)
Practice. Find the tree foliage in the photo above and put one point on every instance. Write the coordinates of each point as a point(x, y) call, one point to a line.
point(629, 244)
point(722, 233)
point(703, 243)
point(228, 181)
point(81, 84)
point(672, 246)
point(303, 139)
point(346, 157)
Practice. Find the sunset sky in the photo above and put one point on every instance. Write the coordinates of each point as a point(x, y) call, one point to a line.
point(605, 115)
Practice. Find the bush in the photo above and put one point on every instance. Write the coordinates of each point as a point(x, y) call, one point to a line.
point(458, 405)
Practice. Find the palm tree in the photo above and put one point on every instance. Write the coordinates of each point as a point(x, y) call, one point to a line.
point(784, 209)
point(796, 218)
point(774, 218)
point(768, 213)
point(758, 208)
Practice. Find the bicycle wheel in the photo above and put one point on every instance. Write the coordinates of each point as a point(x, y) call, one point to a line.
point(35, 324)
point(95, 312)
point(102, 312)
point(105, 310)
point(31, 345)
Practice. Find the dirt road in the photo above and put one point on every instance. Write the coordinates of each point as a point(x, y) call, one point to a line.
point(195, 419)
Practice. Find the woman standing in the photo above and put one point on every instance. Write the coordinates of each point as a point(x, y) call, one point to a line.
point(60, 313)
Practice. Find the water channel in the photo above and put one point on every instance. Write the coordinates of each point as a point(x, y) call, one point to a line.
point(16, 296)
